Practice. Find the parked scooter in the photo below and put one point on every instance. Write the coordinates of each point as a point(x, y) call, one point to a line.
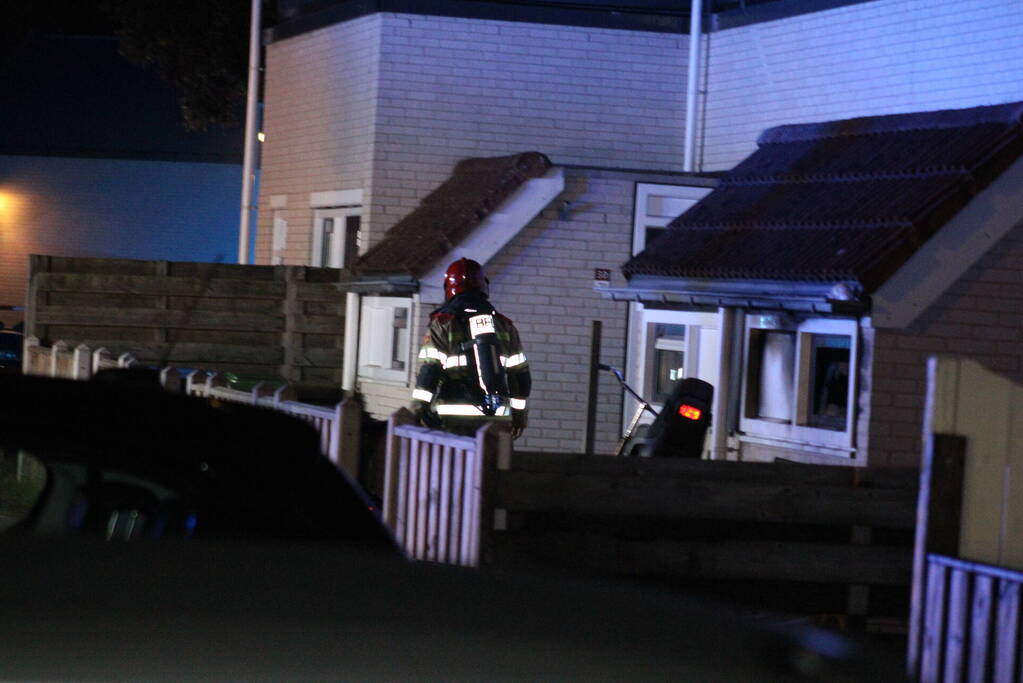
point(678, 430)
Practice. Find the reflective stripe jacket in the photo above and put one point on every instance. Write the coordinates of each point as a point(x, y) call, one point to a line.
point(446, 381)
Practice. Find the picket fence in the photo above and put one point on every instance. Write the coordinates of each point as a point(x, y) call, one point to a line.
point(339, 425)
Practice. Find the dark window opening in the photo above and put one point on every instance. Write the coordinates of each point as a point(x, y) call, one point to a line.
point(829, 381)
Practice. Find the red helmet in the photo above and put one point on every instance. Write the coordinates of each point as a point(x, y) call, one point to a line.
point(464, 275)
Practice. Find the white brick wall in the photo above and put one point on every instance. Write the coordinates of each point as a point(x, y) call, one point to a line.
point(321, 93)
point(112, 208)
point(979, 317)
point(454, 88)
point(882, 57)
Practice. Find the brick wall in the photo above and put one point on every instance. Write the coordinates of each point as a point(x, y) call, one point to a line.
point(978, 317)
point(881, 57)
point(320, 92)
point(123, 209)
point(454, 88)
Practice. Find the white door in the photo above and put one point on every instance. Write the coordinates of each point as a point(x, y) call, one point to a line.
point(666, 346)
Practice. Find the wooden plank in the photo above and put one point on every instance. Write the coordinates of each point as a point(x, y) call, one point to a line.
point(457, 503)
point(937, 527)
point(465, 514)
point(422, 496)
point(983, 417)
point(444, 505)
point(956, 625)
point(681, 499)
point(320, 292)
point(433, 503)
point(186, 354)
point(933, 625)
point(707, 470)
point(1011, 543)
point(319, 324)
point(160, 285)
point(980, 629)
point(36, 298)
point(393, 484)
point(144, 317)
point(1006, 631)
point(291, 307)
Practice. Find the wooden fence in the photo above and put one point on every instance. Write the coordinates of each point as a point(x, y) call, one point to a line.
point(282, 322)
point(815, 539)
point(965, 617)
point(339, 426)
point(437, 489)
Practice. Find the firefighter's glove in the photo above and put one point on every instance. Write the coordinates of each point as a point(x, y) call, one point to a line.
point(518, 423)
point(428, 418)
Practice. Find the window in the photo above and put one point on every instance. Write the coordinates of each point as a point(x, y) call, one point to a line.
point(336, 236)
point(667, 359)
point(797, 380)
point(658, 205)
point(280, 238)
point(385, 339)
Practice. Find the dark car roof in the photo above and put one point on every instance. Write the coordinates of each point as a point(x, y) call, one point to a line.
point(255, 465)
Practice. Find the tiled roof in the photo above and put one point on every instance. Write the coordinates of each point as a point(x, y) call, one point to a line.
point(843, 200)
point(449, 213)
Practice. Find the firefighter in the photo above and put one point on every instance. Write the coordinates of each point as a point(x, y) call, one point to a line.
point(472, 368)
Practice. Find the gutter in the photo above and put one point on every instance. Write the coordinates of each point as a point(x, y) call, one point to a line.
point(834, 298)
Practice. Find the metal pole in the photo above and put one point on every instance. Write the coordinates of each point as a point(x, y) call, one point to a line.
point(692, 83)
point(591, 392)
point(249, 160)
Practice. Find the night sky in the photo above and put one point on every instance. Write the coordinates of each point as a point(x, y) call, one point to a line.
point(73, 17)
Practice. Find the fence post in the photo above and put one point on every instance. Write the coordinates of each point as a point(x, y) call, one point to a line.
point(493, 448)
point(392, 465)
point(938, 515)
point(285, 392)
point(81, 363)
point(98, 357)
point(170, 379)
point(29, 352)
point(58, 348)
point(345, 436)
point(195, 383)
point(260, 391)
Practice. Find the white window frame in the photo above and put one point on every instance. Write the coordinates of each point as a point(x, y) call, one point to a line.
point(656, 205)
point(279, 242)
point(377, 341)
point(339, 216)
point(798, 433)
point(639, 372)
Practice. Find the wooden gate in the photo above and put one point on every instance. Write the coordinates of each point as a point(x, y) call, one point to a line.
point(965, 618)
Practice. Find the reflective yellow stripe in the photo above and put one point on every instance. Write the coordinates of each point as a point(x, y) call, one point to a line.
point(430, 353)
point(455, 362)
point(514, 360)
point(518, 404)
point(422, 395)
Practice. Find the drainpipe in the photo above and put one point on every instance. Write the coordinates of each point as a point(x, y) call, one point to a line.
point(350, 357)
point(249, 160)
point(719, 411)
point(695, 30)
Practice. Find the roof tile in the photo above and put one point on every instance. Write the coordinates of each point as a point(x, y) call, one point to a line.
point(843, 200)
